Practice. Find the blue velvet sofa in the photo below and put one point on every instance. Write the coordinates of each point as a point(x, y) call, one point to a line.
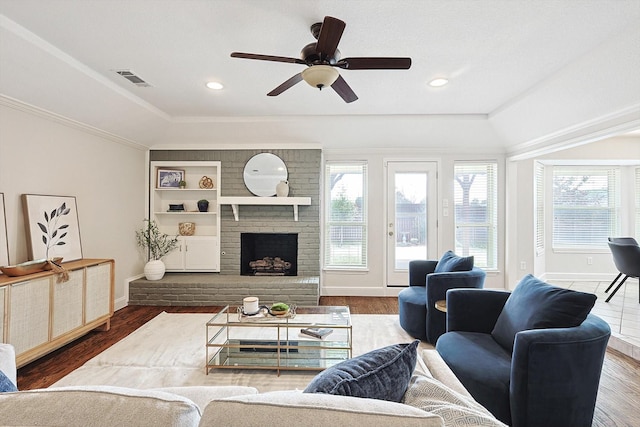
point(532, 357)
point(428, 284)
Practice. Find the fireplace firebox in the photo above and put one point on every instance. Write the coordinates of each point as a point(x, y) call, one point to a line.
point(269, 254)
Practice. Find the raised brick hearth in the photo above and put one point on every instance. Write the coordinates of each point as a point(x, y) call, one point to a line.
point(198, 289)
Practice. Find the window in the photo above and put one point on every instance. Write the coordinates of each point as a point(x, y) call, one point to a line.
point(586, 205)
point(539, 207)
point(638, 204)
point(476, 208)
point(346, 216)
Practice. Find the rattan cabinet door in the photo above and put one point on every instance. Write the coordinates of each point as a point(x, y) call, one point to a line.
point(67, 304)
point(98, 294)
point(29, 314)
point(3, 295)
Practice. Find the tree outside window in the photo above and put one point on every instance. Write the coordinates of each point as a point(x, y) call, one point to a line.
point(475, 200)
point(346, 224)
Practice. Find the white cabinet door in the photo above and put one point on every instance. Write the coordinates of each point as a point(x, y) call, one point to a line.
point(174, 260)
point(67, 303)
point(201, 253)
point(195, 253)
point(29, 314)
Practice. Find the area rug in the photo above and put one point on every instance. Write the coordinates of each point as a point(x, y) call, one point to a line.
point(169, 351)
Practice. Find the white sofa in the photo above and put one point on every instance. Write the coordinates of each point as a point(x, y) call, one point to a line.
point(225, 405)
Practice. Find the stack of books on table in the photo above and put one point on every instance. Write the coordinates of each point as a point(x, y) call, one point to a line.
point(316, 332)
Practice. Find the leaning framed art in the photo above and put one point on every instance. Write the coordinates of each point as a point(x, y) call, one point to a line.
point(52, 227)
point(4, 242)
point(170, 178)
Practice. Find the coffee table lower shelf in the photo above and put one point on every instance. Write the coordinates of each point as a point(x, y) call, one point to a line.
point(286, 356)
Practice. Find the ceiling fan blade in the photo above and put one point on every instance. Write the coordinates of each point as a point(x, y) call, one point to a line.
point(364, 63)
point(267, 57)
point(343, 89)
point(329, 37)
point(286, 85)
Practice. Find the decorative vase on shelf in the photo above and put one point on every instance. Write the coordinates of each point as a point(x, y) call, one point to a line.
point(154, 269)
point(203, 205)
point(282, 189)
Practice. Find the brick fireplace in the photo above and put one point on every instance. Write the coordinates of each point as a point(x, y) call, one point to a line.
point(229, 286)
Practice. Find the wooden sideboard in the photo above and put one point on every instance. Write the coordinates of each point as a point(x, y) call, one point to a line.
point(39, 315)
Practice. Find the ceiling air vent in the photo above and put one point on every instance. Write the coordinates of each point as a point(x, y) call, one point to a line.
point(133, 78)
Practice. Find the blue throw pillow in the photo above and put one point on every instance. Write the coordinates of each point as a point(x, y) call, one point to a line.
point(382, 374)
point(6, 384)
point(451, 262)
point(535, 304)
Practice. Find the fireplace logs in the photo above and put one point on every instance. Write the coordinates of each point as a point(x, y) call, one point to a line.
point(269, 254)
point(269, 266)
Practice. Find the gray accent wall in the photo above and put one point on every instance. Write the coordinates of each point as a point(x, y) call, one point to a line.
point(304, 167)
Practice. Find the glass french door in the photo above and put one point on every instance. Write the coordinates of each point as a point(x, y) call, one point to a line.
point(411, 216)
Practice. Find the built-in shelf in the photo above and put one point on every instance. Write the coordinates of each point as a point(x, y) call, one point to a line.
point(235, 203)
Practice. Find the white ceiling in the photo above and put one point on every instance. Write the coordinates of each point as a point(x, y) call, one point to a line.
point(59, 55)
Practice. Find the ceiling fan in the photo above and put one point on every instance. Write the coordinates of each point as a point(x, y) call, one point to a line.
point(323, 56)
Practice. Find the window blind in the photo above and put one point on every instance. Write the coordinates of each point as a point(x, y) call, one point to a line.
point(539, 207)
point(476, 207)
point(586, 205)
point(346, 215)
point(638, 204)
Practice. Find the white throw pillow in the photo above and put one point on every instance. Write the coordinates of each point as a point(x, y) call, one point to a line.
point(456, 409)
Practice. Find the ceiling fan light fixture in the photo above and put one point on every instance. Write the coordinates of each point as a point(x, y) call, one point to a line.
point(439, 82)
point(320, 76)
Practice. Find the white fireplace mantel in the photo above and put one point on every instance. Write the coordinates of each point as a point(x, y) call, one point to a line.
point(235, 203)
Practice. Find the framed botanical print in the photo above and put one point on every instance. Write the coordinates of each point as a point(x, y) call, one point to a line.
point(4, 242)
point(52, 227)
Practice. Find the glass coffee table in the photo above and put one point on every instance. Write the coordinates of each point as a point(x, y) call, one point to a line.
point(263, 341)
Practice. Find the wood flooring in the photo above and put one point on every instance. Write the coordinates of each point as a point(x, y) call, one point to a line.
point(618, 396)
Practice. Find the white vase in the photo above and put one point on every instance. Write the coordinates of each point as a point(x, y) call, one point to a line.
point(154, 270)
point(282, 189)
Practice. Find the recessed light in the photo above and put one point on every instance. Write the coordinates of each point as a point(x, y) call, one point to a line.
point(438, 82)
point(214, 85)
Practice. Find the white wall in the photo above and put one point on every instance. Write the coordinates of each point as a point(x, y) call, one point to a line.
point(562, 265)
point(519, 216)
point(373, 281)
point(599, 91)
point(44, 154)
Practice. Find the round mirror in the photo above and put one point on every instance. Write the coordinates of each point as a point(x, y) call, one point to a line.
point(263, 172)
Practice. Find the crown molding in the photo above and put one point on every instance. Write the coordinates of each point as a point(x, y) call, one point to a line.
point(607, 126)
point(65, 121)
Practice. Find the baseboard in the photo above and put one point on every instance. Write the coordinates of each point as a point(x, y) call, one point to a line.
point(341, 291)
point(624, 346)
point(578, 277)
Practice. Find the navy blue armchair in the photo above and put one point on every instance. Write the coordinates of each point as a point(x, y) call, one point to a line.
point(416, 304)
point(550, 377)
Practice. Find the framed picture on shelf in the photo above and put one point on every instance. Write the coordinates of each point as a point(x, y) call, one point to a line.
point(4, 242)
point(52, 227)
point(170, 178)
